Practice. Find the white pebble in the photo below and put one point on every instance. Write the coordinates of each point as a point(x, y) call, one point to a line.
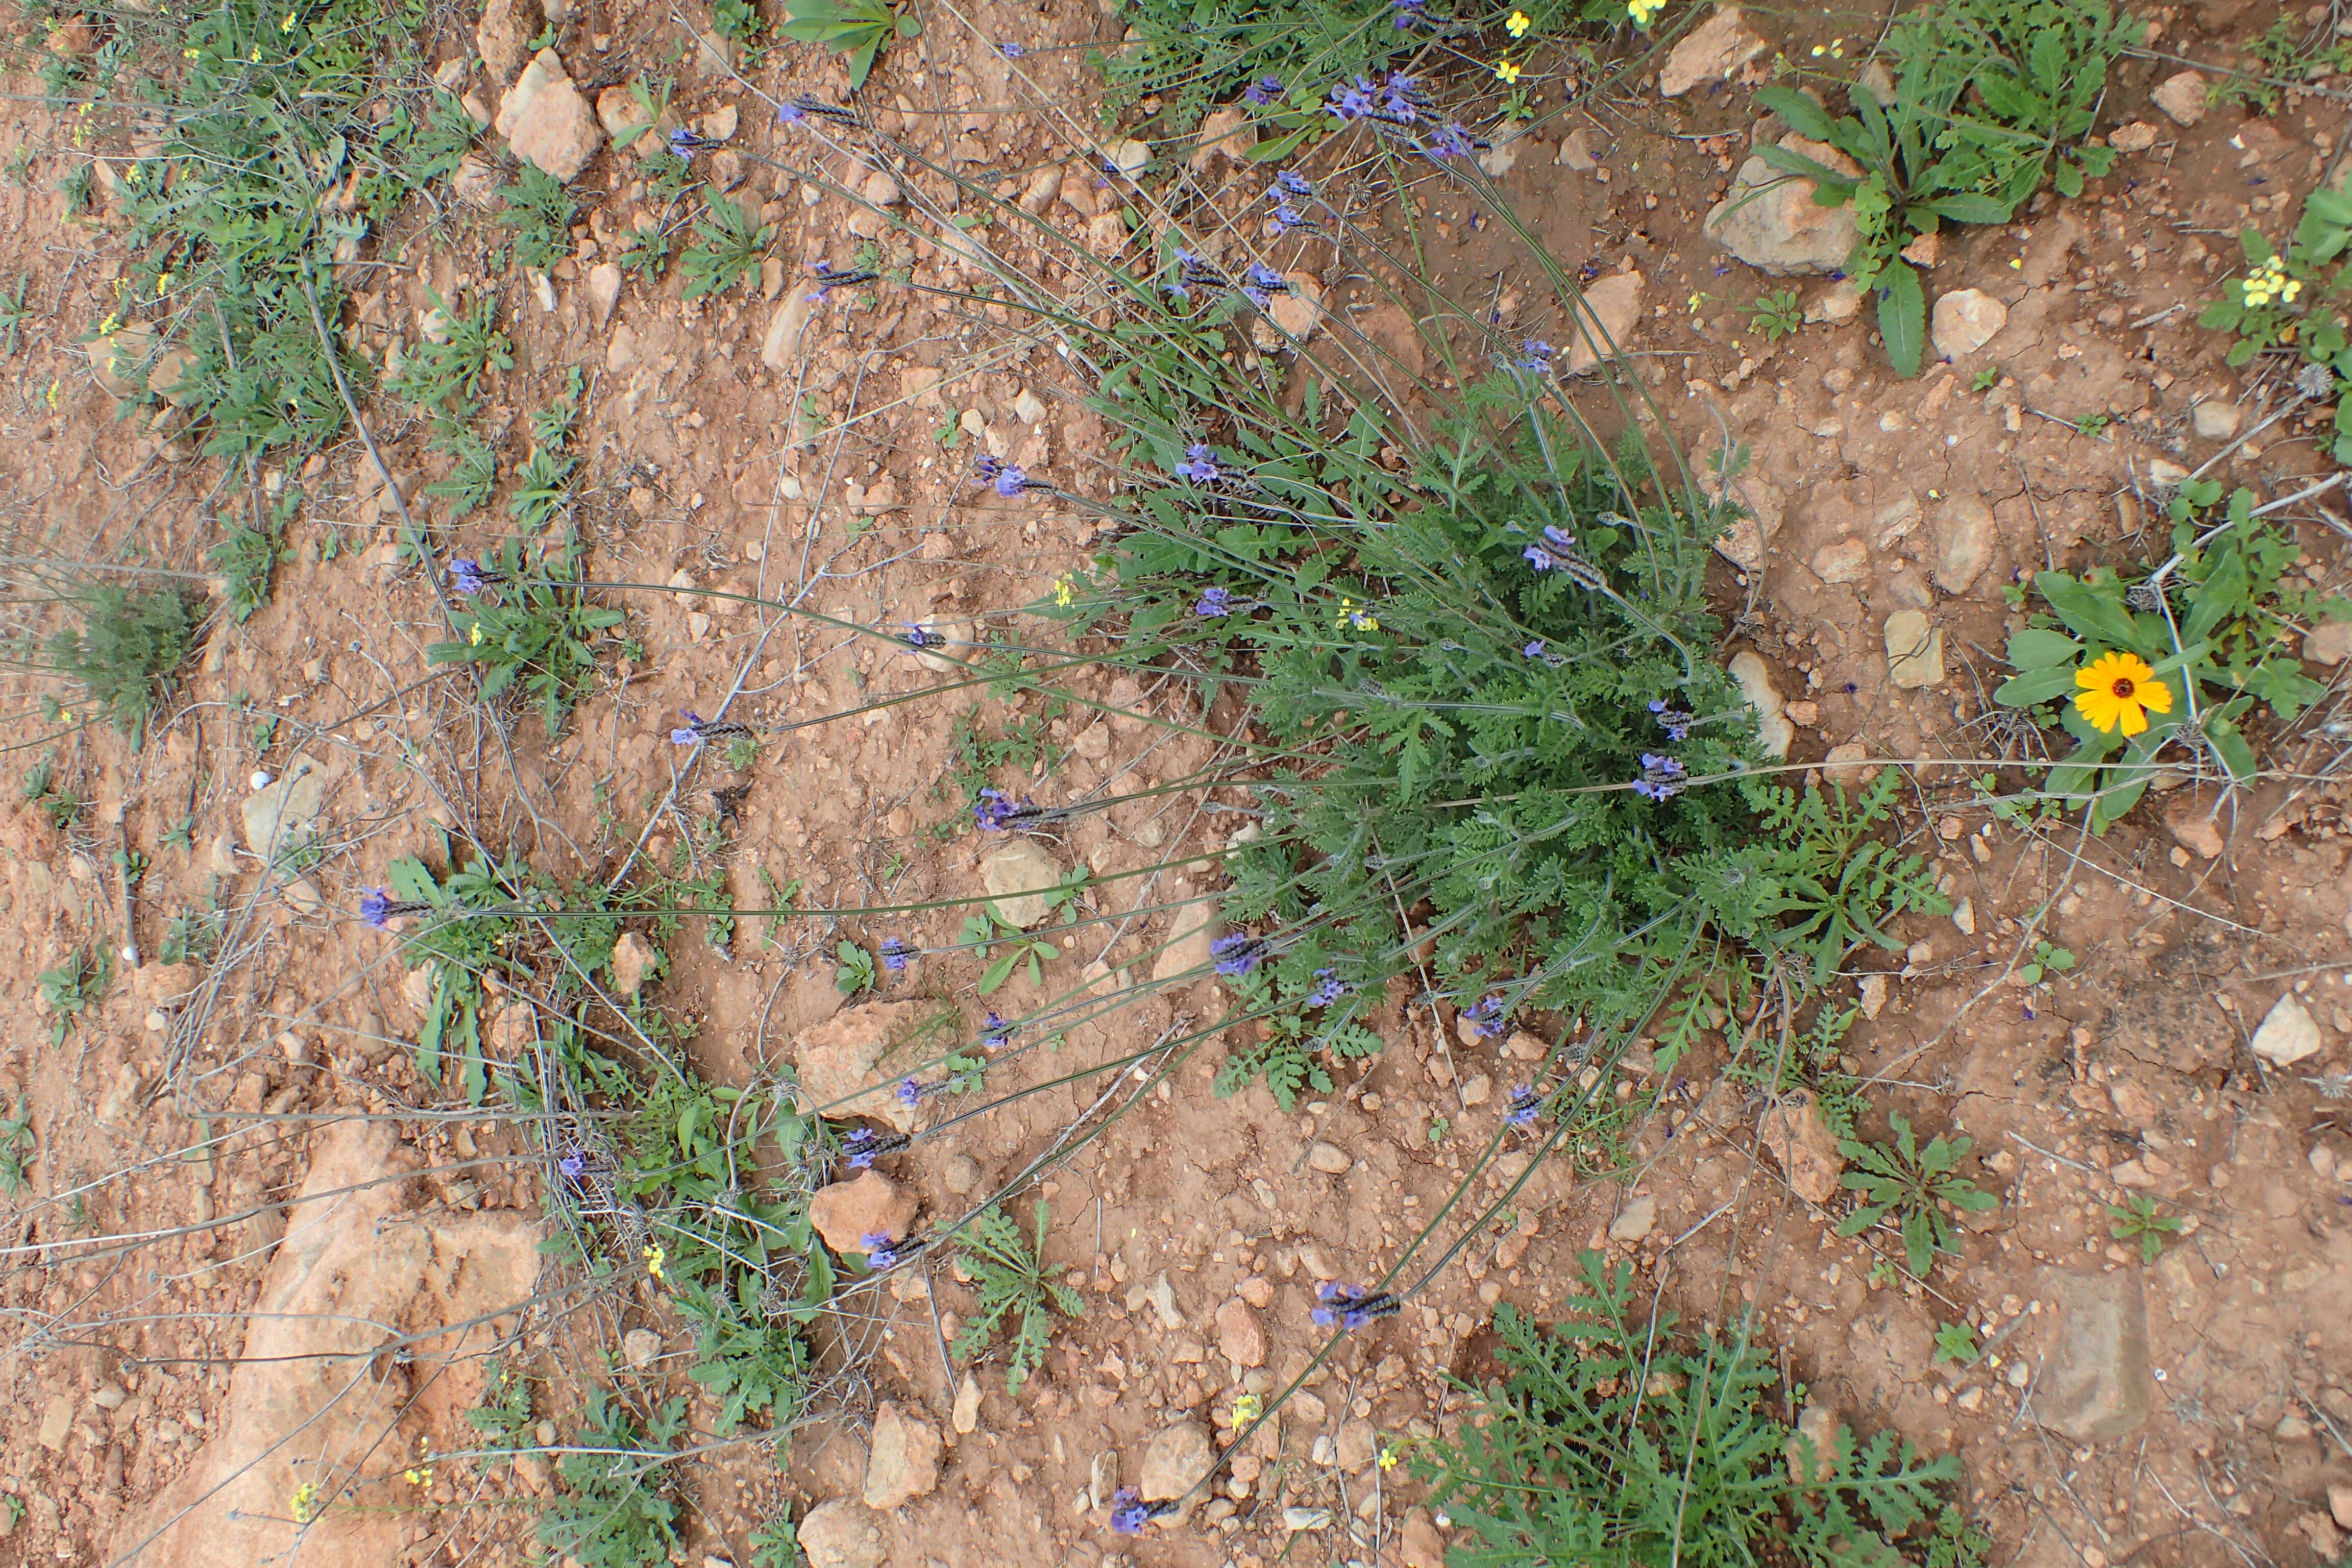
point(261, 778)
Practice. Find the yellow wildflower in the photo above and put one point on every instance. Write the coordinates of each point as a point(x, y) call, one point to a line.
point(1508, 70)
point(1644, 12)
point(1388, 1460)
point(1064, 590)
point(474, 638)
point(188, 54)
point(256, 56)
point(162, 284)
point(108, 325)
point(53, 396)
point(286, 26)
point(1518, 24)
point(2120, 689)
point(1247, 1408)
point(655, 1259)
point(421, 1473)
point(305, 1502)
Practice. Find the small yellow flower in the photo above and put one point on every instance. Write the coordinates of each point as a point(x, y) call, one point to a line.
point(305, 1502)
point(162, 284)
point(1388, 1460)
point(421, 1473)
point(256, 56)
point(1508, 70)
point(2120, 689)
point(1518, 24)
point(188, 54)
point(286, 26)
point(474, 638)
point(1644, 12)
point(1065, 590)
point(1346, 615)
point(1819, 51)
point(1247, 1408)
point(53, 396)
point(108, 325)
point(655, 1259)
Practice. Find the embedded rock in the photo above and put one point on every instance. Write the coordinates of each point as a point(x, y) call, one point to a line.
point(1021, 879)
point(2095, 1385)
point(840, 1062)
point(2181, 96)
point(603, 292)
point(1191, 928)
point(846, 1212)
point(904, 1462)
point(1808, 1151)
point(1965, 533)
point(1915, 650)
point(1771, 221)
point(1175, 1461)
point(1605, 317)
point(546, 121)
point(2287, 1034)
point(1637, 1220)
point(284, 815)
point(633, 959)
point(1241, 1338)
point(505, 34)
point(1228, 133)
point(1709, 52)
point(840, 1535)
point(1964, 320)
point(1774, 732)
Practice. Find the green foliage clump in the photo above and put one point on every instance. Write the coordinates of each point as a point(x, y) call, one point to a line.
point(730, 241)
point(539, 209)
point(2293, 300)
point(2218, 624)
point(2137, 1219)
point(536, 632)
point(17, 1143)
point(1915, 1185)
point(1297, 1023)
point(618, 1508)
point(1013, 1283)
point(125, 650)
point(1991, 99)
point(859, 30)
point(1610, 1443)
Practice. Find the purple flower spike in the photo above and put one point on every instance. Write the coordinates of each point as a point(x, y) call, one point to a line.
point(1351, 1307)
point(1328, 988)
point(1200, 465)
point(995, 1033)
point(1262, 91)
point(1521, 1111)
point(1539, 558)
point(1129, 1512)
point(1237, 953)
point(690, 734)
point(1213, 602)
point(910, 1092)
point(467, 576)
point(1534, 649)
point(375, 907)
point(1012, 51)
point(895, 954)
point(1661, 778)
point(574, 1165)
point(1488, 1017)
point(1353, 101)
point(879, 1253)
point(1672, 721)
point(685, 143)
point(995, 811)
point(1011, 480)
point(1534, 355)
point(1451, 140)
point(1411, 13)
point(1292, 183)
point(1262, 284)
point(860, 1148)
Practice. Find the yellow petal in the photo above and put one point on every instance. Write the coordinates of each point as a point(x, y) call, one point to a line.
point(2135, 719)
point(2157, 696)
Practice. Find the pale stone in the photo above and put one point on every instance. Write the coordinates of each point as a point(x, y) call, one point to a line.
point(1129, 157)
point(1844, 766)
point(1774, 732)
point(641, 1348)
point(2214, 420)
point(1845, 560)
point(965, 1416)
point(1241, 1339)
point(1915, 650)
point(1964, 320)
point(846, 1212)
point(782, 348)
point(284, 815)
point(1808, 1151)
point(547, 123)
point(1193, 927)
point(603, 292)
point(1771, 221)
point(903, 1462)
point(1299, 311)
point(1965, 533)
point(2182, 97)
point(1328, 1159)
point(2137, 136)
point(503, 37)
point(633, 958)
point(1228, 133)
point(840, 1535)
point(1637, 1220)
point(1709, 52)
point(1021, 878)
point(839, 1062)
point(1605, 317)
point(2094, 1384)
point(1177, 1459)
point(2288, 1034)
point(2329, 643)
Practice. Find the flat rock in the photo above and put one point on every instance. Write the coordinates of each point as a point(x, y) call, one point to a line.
point(504, 36)
point(356, 1257)
point(1129, 157)
point(1328, 1159)
point(2095, 1385)
point(633, 959)
point(1021, 878)
point(603, 292)
point(1300, 311)
point(1915, 650)
point(1964, 320)
point(965, 1416)
point(1605, 317)
point(840, 1062)
point(1808, 1151)
point(1177, 1459)
point(546, 121)
point(641, 1348)
point(1844, 560)
point(1160, 1297)
point(1228, 133)
point(1774, 731)
point(2214, 419)
point(1419, 1542)
point(2329, 643)
point(1192, 929)
point(2288, 1033)
point(56, 1422)
point(1241, 1338)
point(2137, 136)
point(1576, 151)
point(1965, 533)
point(1709, 52)
point(781, 347)
point(1635, 1220)
point(846, 1212)
point(903, 1463)
point(2181, 96)
point(841, 1535)
point(1771, 221)
point(2190, 821)
point(284, 815)
point(1357, 1446)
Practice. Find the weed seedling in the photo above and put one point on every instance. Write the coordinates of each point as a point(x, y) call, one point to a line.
point(2048, 959)
point(504, 1416)
point(125, 650)
point(1956, 1342)
point(730, 241)
point(40, 787)
point(71, 988)
point(617, 1510)
point(2136, 1220)
point(17, 1146)
point(855, 977)
point(1775, 315)
point(860, 29)
point(14, 313)
point(541, 211)
point(245, 559)
point(1610, 1440)
point(540, 633)
point(1014, 1282)
point(1913, 1184)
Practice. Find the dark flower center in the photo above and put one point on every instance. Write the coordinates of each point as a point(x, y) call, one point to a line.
point(2123, 686)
